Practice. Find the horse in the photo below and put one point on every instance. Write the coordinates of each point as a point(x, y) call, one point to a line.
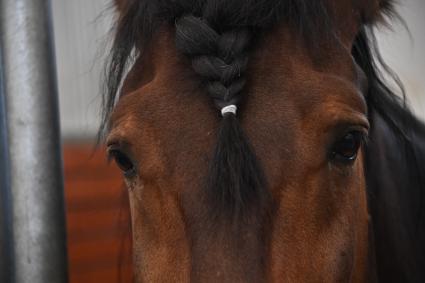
point(260, 141)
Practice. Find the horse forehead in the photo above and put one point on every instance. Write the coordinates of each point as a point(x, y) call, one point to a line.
point(285, 66)
point(280, 66)
point(285, 84)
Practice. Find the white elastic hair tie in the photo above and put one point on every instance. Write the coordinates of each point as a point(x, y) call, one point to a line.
point(229, 109)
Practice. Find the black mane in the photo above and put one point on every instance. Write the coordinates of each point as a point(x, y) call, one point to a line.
point(395, 154)
point(395, 172)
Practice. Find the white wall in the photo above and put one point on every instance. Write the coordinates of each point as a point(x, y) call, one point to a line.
point(405, 54)
point(81, 28)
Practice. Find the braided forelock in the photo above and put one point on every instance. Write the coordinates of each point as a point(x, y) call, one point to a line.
point(236, 183)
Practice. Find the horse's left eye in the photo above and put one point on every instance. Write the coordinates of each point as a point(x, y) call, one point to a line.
point(345, 150)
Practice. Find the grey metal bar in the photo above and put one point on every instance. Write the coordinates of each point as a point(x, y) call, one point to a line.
point(34, 141)
point(6, 235)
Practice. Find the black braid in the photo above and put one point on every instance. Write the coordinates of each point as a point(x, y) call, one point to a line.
point(236, 181)
point(220, 60)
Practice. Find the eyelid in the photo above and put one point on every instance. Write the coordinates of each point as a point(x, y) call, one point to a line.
point(110, 148)
point(351, 120)
point(110, 152)
point(117, 140)
point(355, 128)
point(118, 144)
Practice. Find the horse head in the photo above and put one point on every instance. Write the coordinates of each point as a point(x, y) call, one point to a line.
point(242, 130)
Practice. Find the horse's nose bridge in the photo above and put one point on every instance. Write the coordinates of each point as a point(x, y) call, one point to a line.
point(274, 140)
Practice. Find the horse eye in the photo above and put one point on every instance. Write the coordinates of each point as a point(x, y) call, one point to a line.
point(345, 150)
point(123, 162)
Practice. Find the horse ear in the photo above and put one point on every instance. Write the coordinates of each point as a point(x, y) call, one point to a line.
point(374, 11)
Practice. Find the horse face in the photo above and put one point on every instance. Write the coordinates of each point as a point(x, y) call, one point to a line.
point(313, 109)
point(305, 116)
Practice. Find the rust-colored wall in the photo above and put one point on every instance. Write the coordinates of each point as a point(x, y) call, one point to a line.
point(97, 217)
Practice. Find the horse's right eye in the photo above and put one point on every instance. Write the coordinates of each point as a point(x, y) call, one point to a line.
point(123, 162)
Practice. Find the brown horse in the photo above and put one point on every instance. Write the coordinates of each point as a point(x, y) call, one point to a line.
point(259, 143)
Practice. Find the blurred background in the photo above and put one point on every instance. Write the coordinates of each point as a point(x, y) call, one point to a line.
point(94, 188)
point(94, 192)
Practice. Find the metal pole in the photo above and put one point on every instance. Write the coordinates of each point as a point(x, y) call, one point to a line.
point(6, 235)
point(34, 141)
